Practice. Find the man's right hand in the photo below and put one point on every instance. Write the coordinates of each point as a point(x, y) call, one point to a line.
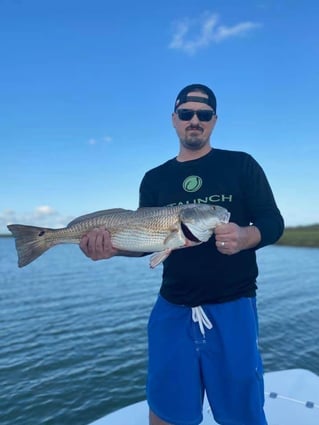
point(97, 245)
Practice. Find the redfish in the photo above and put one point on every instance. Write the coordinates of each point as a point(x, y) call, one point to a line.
point(156, 230)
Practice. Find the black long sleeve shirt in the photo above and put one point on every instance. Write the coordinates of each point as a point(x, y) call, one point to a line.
point(234, 180)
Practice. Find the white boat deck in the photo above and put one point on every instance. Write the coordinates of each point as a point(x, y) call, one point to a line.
point(291, 398)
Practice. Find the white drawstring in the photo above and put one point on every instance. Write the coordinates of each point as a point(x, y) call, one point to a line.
point(198, 315)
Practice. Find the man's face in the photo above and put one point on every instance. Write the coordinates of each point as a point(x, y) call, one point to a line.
point(193, 132)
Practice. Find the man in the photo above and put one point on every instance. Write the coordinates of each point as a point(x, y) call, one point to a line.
point(203, 329)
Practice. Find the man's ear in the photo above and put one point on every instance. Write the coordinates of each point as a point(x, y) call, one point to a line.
point(174, 119)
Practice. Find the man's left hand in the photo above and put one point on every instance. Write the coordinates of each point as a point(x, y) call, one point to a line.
point(231, 238)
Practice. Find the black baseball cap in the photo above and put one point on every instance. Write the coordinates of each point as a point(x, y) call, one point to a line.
point(183, 96)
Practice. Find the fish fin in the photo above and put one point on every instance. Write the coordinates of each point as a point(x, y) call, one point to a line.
point(97, 214)
point(30, 242)
point(159, 257)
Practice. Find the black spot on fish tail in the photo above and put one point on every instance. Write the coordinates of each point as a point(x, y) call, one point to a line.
point(188, 234)
point(30, 241)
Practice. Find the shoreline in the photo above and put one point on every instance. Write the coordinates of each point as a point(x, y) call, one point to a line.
point(300, 236)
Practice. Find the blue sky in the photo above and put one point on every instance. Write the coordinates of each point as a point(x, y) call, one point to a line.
point(87, 90)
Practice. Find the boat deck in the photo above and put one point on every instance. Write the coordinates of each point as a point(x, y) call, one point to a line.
point(291, 398)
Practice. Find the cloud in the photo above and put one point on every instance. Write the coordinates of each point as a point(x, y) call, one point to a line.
point(42, 216)
point(6, 217)
point(190, 35)
point(44, 211)
point(104, 140)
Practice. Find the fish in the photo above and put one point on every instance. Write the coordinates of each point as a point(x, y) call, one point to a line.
point(156, 230)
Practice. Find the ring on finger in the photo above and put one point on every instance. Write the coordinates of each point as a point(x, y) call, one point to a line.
point(222, 243)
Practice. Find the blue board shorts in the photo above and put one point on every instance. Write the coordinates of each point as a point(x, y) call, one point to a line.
point(212, 349)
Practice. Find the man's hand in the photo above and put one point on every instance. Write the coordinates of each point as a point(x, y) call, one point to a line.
point(231, 238)
point(97, 245)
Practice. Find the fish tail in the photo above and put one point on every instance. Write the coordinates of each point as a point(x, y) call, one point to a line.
point(31, 242)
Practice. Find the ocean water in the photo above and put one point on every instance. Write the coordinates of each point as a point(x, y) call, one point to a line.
point(73, 332)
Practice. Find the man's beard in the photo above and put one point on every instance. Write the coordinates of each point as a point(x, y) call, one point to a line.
point(193, 141)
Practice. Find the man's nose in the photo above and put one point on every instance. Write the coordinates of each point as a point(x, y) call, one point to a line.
point(194, 119)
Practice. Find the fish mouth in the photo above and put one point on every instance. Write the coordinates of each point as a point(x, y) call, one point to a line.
point(188, 234)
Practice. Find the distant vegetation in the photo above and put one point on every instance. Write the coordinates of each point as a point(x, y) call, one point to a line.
point(306, 236)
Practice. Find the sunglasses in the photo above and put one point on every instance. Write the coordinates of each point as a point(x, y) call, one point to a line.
point(202, 114)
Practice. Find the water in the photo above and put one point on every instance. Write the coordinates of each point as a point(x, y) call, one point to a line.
point(73, 341)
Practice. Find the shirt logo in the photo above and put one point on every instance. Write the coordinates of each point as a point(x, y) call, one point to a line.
point(192, 184)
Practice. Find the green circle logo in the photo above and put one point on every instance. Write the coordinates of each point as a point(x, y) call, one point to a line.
point(192, 184)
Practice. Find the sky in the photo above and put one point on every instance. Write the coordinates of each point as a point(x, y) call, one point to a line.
point(87, 89)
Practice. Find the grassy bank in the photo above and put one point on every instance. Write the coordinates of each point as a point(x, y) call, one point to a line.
point(307, 236)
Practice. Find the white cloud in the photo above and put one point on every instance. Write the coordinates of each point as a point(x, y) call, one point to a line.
point(190, 35)
point(44, 211)
point(42, 216)
point(107, 139)
point(223, 32)
point(104, 139)
point(6, 217)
